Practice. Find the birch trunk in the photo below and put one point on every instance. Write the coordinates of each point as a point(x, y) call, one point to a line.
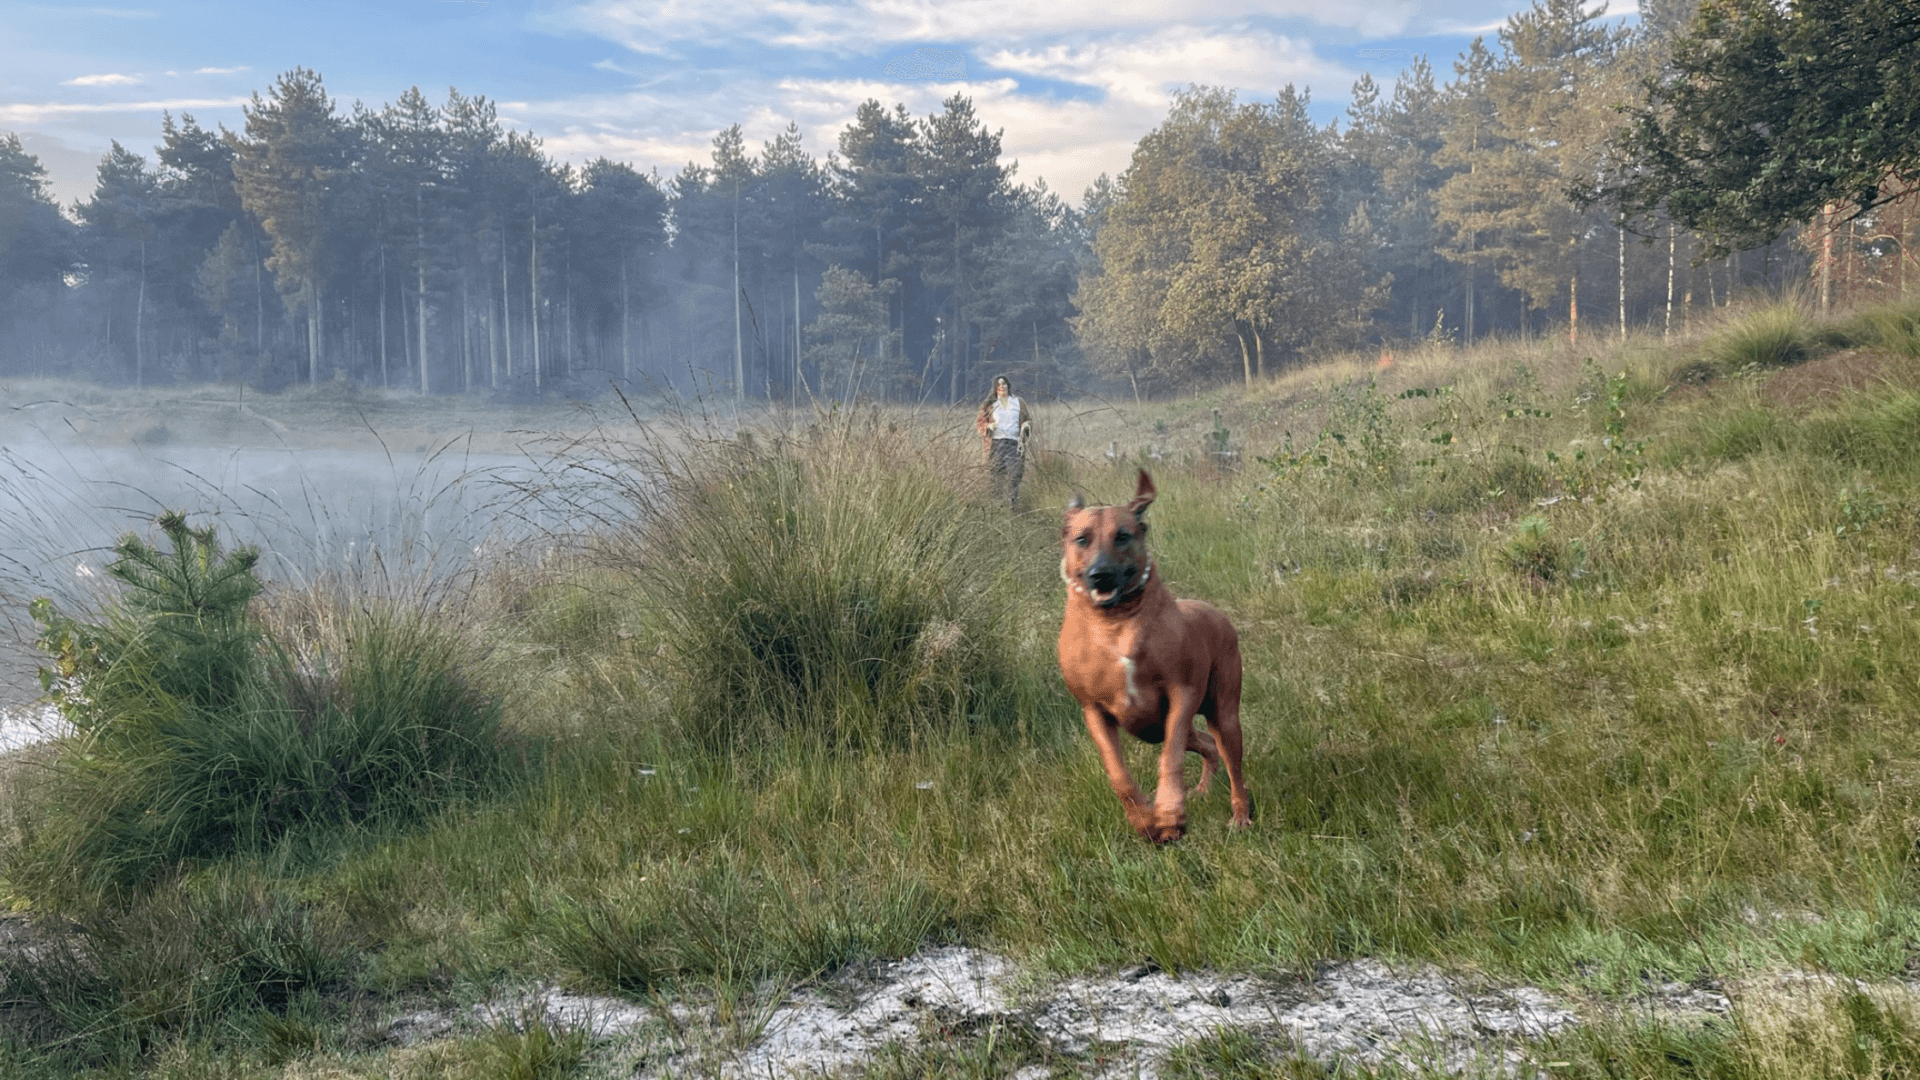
point(1622, 230)
point(1666, 334)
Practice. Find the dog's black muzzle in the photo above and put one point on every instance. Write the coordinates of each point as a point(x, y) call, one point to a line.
point(1107, 580)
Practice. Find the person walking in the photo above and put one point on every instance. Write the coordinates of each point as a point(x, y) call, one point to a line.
point(1004, 427)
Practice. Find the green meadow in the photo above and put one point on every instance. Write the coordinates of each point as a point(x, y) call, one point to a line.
point(1571, 666)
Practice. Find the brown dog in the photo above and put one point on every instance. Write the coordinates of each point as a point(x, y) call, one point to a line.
point(1139, 659)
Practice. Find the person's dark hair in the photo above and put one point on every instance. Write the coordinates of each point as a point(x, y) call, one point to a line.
point(993, 393)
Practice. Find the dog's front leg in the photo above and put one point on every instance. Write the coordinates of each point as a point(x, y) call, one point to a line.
point(1106, 738)
point(1170, 798)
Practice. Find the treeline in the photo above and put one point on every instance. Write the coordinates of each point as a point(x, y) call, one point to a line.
point(1577, 177)
point(1243, 235)
point(1573, 177)
point(427, 247)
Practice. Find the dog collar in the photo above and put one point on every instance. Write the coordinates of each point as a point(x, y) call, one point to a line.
point(1145, 576)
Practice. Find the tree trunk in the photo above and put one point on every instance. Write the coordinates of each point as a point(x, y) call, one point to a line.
point(533, 292)
point(626, 323)
point(1826, 258)
point(140, 322)
point(420, 300)
point(958, 351)
point(259, 294)
point(406, 329)
point(1246, 356)
point(1259, 355)
point(1573, 310)
point(1622, 230)
point(1469, 305)
point(1906, 235)
point(567, 359)
point(506, 303)
point(384, 384)
point(1667, 333)
point(793, 388)
point(739, 352)
point(313, 332)
point(466, 334)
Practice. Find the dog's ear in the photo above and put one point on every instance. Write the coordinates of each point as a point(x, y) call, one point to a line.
point(1142, 495)
point(1078, 502)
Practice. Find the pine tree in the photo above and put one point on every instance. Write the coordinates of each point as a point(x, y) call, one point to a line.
point(853, 315)
point(963, 206)
point(1531, 129)
point(37, 244)
point(118, 225)
point(295, 148)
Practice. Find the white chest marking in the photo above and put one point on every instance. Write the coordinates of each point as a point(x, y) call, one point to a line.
point(1126, 667)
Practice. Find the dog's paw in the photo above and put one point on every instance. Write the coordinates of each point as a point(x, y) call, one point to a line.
point(1165, 832)
point(1242, 815)
point(1140, 817)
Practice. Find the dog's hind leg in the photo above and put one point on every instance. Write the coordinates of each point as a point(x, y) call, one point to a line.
point(1201, 742)
point(1225, 722)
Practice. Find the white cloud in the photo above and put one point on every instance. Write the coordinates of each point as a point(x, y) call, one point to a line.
point(221, 70)
point(654, 26)
point(1067, 142)
point(110, 79)
point(24, 113)
point(1144, 69)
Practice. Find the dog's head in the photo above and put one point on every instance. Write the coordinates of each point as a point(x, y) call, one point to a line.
point(1105, 547)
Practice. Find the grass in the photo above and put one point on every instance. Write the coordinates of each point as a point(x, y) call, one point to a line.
point(1561, 668)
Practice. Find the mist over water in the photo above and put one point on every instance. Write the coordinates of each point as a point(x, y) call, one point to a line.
point(378, 519)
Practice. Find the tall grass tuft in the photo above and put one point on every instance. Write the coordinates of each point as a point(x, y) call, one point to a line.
point(197, 737)
point(176, 963)
point(1893, 327)
point(1778, 335)
point(847, 587)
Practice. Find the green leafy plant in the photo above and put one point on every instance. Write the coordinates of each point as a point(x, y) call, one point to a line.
point(1860, 509)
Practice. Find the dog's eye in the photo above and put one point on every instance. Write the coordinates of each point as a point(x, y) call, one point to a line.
point(1121, 538)
point(1081, 540)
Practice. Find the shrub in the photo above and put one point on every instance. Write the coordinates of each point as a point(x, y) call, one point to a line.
point(198, 738)
point(846, 589)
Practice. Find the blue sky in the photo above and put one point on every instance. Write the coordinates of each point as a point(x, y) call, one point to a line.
point(1073, 83)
